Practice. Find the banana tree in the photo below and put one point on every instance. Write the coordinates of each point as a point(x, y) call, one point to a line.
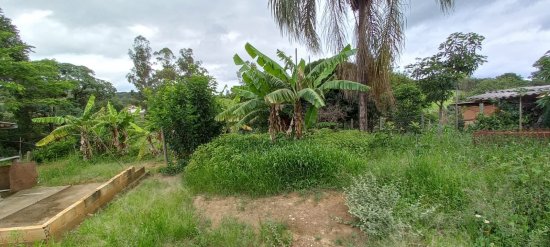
point(301, 86)
point(145, 139)
point(71, 125)
point(117, 122)
point(250, 97)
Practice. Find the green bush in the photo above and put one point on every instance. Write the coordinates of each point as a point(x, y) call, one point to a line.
point(55, 150)
point(373, 205)
point(185, 110)
point(250, 164)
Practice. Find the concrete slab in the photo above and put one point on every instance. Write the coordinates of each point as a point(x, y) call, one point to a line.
point(41, 211)
point(25, 198)
point(53, 216)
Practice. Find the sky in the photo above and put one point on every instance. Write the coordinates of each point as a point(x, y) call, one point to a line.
point(98, 33)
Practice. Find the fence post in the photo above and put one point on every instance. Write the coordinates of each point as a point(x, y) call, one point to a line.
point(164, 146)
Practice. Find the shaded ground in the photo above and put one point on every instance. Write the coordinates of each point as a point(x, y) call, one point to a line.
point(42, 210)
point(316, 219)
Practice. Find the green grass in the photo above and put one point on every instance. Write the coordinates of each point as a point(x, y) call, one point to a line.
point(443, 181)
point(159, 212)
point(73, 170)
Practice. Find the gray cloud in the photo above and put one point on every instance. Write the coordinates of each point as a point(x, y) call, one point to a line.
point(98, 33)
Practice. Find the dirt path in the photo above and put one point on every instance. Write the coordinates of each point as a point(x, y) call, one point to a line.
point(315, 219)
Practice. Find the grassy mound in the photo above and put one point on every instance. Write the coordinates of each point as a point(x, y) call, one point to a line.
point(251, 164)
point(451, 192)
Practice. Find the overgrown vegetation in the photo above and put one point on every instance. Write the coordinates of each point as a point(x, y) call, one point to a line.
point(160, 213)
point(442, 182)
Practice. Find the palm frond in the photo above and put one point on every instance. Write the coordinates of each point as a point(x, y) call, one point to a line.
point(312, 97)
point(280, 96)
point(49, 120)
point(344, 85)
point(326, 68)
point(57, 133)
point(297, 19)
point(267, 63)
point(311, 116)
point(251, 116)
point(249, 106)
point(89, 106)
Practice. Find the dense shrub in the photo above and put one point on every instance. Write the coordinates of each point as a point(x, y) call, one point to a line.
point(409, 104)
point(55, 150)
point(251, 164)
point(185, 110)
point(443, 181)
point(373, 205)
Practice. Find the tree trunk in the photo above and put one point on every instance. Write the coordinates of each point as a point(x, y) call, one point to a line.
point(440, 124)
point(85, 148)
point(274, 121)
point(116, 140)
point(154, 150)
point(361, 62)
point(290, 127)
point(298, 119)
point(363, 112)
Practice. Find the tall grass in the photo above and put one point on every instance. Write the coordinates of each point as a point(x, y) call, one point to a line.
point(449, 188)
point(73, 170)
point(159, 212)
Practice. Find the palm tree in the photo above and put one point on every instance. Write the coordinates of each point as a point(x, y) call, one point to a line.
point(117, 122)
point(71, 125)
point(378, 31)
point(300, 86)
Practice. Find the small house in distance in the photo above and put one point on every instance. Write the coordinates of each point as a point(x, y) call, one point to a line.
point(485, 103)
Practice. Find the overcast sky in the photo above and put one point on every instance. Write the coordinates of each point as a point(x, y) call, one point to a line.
point(98, 33)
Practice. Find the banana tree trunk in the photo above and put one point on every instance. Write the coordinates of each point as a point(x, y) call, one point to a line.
point(274, 121)
point(298, 119)
point(123, 145)
point(85, 148)
point(116, 140)
point(154, 150)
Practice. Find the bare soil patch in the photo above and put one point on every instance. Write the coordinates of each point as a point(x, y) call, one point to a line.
point(315, 219)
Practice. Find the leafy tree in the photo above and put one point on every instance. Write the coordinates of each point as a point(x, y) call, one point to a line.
point(300, 86)
point(410, 102)
point(71, 125)
point(438, 75)
point(141, 74)
point(27, 88)
point(543, 68)
point(166, 59)
point(85, 84)
point(504, 81)
point(188, 66)
point(185, 110)
point(378, 31)
point(11, 44)
point(125, 99)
